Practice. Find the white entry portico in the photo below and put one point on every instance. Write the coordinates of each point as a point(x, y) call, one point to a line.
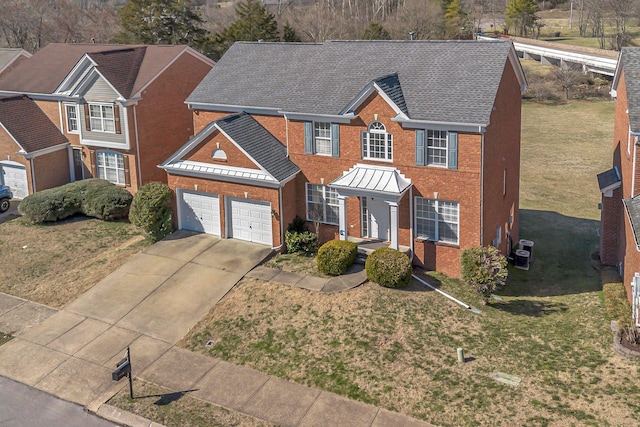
point(380, 188)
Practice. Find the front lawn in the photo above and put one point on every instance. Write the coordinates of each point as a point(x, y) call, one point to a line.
point(53, 264)
point(397, 348)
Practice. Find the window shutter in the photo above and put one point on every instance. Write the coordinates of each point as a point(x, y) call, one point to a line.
point(94, 167)
point(308, 138)
point(116, 118)
point(127, 174)
point(335, 139)
point(419, 147)
point(87, 119)
point(453, 150)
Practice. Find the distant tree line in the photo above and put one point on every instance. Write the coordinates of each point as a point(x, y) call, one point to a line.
point(211, 26)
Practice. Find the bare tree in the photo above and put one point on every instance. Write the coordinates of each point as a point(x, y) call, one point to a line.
point(567, 78)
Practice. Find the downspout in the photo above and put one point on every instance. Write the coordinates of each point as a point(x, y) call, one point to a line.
point(482, 165)
point(286, 133)
point(135, 126)
point(633, 175)
point(33, 175)
point(281, 222)
point(411, 244)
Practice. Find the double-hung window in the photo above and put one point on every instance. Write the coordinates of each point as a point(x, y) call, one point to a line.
point(437, 220)
point(439, 149)
point(322, 138)
point(110, 166)
point(322, 204)
point(377, 144)
point(102, 118)
point(72, 118)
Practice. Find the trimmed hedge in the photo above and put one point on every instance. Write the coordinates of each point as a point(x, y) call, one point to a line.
point(336, 256)
point(151, 210)
point(301, 242)
point(389, 268)
point(97, 198)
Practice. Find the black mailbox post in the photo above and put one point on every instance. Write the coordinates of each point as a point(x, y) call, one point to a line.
point(123, 369)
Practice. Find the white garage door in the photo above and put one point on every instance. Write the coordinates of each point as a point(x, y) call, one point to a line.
point(251, 220)
point(199, 212)
point(14, 175)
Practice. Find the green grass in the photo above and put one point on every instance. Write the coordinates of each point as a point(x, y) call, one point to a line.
point(4, 338)
point(397, 349)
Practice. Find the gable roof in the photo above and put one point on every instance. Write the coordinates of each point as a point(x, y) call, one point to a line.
point(120, 67)
point(29, 125)
point(440, 81)
point(46, 69)
point(252, 138)
point(9, 56)
point(629, 64)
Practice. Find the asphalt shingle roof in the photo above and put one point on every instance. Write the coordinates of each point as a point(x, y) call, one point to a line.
point(630, 58)
point(608, 178)
point(29, 125)
point(441, 81)
point(391, 86)
point(632, 204)
point(48, 67)
point(259, 143)
point(120, 67)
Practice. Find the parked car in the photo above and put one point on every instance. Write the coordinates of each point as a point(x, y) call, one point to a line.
point(5, 198)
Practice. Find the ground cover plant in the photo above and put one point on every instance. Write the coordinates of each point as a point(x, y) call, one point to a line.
point(54, 263)
point(397, 348)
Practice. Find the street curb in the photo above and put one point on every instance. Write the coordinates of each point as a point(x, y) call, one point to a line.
point(117, 415)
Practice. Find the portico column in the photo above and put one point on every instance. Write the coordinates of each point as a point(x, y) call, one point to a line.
point(393, 213)
point(342, 212)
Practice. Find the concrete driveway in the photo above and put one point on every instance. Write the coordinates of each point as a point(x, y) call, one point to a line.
point(148, 304)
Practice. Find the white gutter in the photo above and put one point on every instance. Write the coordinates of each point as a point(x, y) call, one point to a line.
point(482, 165)
point(457, 301)
point(411, 244)
point(286, 133)
point(33, 176)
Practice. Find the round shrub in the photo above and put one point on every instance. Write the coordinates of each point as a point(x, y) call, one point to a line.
point(301, 242)
point(151, 210)
point(389, 268)
point(336, 256)
point(92, 197)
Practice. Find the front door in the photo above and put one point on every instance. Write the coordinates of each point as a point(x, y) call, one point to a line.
point(378, 219)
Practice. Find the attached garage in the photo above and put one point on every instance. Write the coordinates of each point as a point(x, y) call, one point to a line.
point(250, 220)
point(199, 212)
point(14, 175)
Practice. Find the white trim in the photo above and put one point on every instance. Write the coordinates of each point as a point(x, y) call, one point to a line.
point(135, 127)
point(325, 203)
point(105, 144)
point(311, 117)
point(364, 95)
point(234, 108)
point(44, 151)
point(208, 175)
point(102, 117)
point(437, 220)
point(22, 150)
point(449, 126)
point(66, 117)
point(75, 76)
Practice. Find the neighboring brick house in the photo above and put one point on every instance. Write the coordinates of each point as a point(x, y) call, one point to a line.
point(620, 186)
point(413, 143)
point(119, 111)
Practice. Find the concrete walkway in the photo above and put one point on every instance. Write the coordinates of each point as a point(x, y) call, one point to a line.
point(355, 276)
point(149, 304)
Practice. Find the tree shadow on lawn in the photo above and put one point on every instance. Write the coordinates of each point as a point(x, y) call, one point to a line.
point(561, 256)
point(530, 308)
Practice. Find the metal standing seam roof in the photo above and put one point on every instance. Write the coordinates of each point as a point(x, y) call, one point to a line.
point(440, 81)
point(630, 61)
point(250, 136)
point(29, 125)
point(373, 178)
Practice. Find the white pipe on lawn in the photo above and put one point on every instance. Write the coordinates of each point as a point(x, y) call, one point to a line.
point(457, 301)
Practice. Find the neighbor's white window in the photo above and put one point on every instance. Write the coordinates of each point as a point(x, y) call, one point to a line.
point(110, 166)
point(102, 118)
point(322, 138)
point(377, 144)
point(72, 118)
point(322, 204)
point(437, 220)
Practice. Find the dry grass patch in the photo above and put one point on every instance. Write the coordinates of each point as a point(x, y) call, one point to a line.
point(55, 263)
point(175, 409)
point(295, 263)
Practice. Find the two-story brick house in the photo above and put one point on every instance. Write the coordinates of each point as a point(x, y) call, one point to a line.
point(414, 143)
point(620, 186)
point(119, 111)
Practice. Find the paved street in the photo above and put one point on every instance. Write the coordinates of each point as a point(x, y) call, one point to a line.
point(21, 406)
